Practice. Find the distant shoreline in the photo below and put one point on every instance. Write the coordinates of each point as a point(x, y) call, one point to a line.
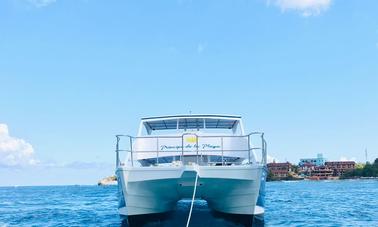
point(48, 185)
point(334, 179)
point(89, 185)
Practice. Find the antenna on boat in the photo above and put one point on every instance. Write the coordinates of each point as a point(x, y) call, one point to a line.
point(190, 112)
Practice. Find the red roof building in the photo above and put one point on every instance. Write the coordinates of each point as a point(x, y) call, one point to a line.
point(306, 168)
point(321, 172)
point(280, 170)
point(340, 167)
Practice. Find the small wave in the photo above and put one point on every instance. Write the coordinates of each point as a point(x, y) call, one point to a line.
point(290, 181)
point(6, 203)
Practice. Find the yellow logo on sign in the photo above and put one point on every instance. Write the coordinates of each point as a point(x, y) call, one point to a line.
point(191, 139)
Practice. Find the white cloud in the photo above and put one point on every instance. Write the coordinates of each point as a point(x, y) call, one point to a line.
point(14, 151)
point(200, 48)
point(82, 165)
point(271, 159)
point(343, 159)
point(305, 7)
point(74, 165)
point(41, 3)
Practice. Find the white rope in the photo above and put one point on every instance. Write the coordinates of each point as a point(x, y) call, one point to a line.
point(194, 195)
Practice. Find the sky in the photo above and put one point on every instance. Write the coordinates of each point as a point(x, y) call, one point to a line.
point(74, 73)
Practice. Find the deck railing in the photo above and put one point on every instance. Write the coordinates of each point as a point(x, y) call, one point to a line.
point(181, 152)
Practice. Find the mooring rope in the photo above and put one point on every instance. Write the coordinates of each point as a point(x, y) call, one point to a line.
point(194, 195)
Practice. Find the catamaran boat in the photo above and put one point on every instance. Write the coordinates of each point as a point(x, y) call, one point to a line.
point(207, 157)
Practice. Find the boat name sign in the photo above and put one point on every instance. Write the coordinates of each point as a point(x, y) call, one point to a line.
point(190, 146)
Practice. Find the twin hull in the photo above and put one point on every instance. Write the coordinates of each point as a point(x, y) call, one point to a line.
point(228, 189)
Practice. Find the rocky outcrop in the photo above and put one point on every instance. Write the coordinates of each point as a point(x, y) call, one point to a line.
point(112, 180)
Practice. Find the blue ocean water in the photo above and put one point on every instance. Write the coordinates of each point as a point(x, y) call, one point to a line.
point(304, 203)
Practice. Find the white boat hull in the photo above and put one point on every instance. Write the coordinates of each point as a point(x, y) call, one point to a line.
point(227, 189)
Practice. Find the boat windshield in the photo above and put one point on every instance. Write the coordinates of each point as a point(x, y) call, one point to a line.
point(192, 123)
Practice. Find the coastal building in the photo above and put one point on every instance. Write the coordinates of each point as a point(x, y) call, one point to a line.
point(280, 170)
point(318, 161)
point(321, 173)
point(305, 169)
point(340, 167)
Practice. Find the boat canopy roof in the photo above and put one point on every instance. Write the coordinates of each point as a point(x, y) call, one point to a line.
point(197, 121)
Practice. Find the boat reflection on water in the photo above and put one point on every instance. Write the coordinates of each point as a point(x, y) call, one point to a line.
point(202, 216)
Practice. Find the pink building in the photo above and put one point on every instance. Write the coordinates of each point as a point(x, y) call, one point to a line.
point(280, 170)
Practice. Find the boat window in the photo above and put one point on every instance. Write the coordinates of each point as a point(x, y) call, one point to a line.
point(161, 124)
point(191, 123)
point(220, 123)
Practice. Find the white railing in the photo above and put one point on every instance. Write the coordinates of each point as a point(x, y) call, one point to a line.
point(195, 150)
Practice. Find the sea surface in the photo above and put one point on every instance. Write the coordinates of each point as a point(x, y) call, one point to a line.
point(299, 203)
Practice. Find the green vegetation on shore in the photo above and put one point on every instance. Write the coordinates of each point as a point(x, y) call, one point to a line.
point(367, 170)
point(290, 177)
